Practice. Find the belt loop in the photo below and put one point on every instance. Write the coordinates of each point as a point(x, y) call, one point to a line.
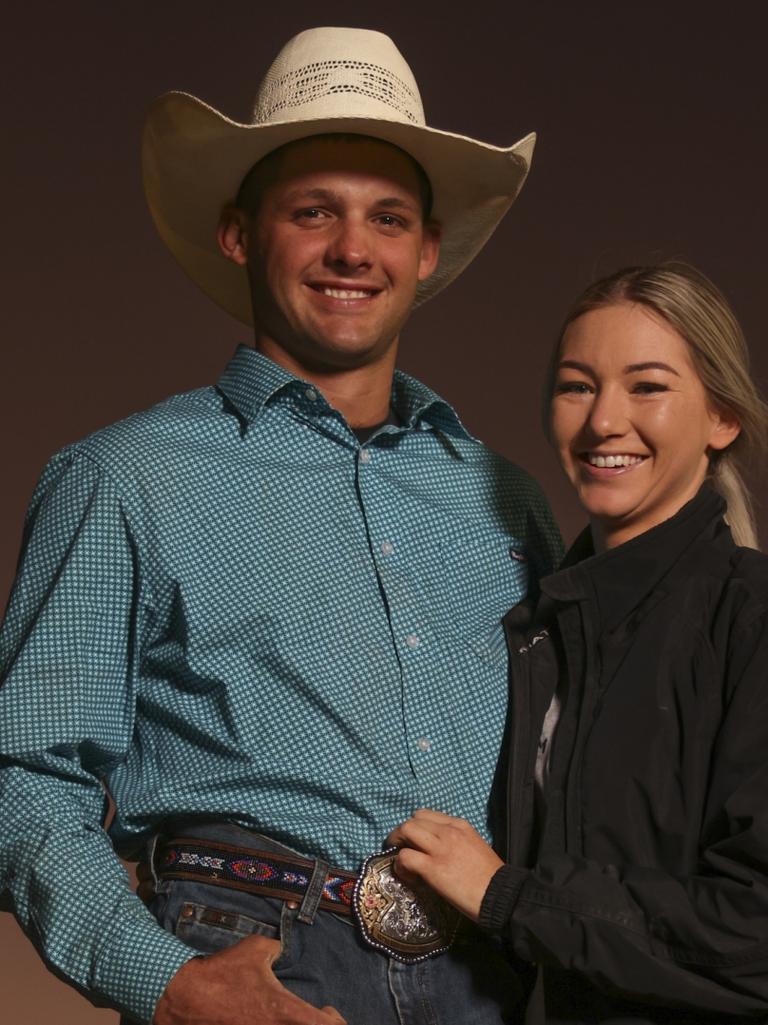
point(152, 848)
point(314, 893)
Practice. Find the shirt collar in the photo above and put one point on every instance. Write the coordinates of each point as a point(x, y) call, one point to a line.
point(417, 406)
point(251, 380)
point(620, 578)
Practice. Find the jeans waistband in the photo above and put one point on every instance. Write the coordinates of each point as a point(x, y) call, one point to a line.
point(229, 833)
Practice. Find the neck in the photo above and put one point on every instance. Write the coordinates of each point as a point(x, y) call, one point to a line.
point(361, 394)
point(607, 533)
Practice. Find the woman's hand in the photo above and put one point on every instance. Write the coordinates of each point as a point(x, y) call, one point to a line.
point(448, 855)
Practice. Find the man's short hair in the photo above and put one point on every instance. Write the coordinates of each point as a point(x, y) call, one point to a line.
point(267, 170)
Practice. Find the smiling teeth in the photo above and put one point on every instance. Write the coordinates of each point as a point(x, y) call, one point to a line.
point(345, 293)
point(609, 461)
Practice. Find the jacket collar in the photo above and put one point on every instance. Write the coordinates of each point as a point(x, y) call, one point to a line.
point(618, 580)
point(251, 381)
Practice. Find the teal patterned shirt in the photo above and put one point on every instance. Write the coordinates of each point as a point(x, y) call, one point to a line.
point(228, 607)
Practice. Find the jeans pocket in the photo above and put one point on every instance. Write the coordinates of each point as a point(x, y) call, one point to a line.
point(212, 918)
point(208, 928)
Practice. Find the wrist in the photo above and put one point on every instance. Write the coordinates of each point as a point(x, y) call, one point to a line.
point(175, 999)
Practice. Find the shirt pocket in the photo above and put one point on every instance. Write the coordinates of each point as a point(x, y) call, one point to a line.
point(483, 574)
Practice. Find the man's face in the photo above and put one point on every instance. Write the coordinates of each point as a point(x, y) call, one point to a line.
point(335, 251)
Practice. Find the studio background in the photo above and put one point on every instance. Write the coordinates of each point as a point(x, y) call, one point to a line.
point(652, 145)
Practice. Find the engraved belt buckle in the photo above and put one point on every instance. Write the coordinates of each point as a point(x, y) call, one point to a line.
point(408, 924)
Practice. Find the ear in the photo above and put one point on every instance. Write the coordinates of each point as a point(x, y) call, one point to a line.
point(726, 428)
point(430, 249)
point(232, 235)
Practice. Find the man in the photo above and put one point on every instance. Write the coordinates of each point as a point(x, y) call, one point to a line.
point(266, 615)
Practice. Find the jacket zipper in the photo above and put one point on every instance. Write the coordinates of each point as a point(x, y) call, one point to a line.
point(520, 685)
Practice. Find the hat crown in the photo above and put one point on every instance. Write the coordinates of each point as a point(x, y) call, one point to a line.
point(338, 73)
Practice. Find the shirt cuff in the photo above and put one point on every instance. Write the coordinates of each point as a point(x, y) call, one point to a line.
point(501, 897)
point(138, 961)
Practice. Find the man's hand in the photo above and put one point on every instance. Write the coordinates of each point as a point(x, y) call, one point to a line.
point(237, 987)
point(448, 855)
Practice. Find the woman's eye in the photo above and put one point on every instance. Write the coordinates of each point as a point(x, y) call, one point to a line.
point(572, 388)
point(649, 387)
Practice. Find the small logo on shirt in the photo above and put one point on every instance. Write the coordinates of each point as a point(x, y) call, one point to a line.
point(533, 642)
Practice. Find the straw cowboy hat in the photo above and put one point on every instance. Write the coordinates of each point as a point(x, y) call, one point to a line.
point(323, 80)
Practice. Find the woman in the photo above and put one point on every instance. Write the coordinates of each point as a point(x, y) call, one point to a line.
point(636, 769)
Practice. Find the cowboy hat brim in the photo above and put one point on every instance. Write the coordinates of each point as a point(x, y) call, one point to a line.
point(194, 159)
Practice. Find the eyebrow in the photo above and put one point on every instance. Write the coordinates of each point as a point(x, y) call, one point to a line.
point(632, 368)
point(298, 195)
point(635, 368)
point(572, 364)
point(329, 196)
point(394, 201)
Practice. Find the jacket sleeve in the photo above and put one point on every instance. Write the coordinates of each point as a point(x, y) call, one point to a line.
point(698, 942)
point(68, 665)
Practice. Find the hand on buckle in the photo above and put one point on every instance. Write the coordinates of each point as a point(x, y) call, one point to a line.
point(407, 923)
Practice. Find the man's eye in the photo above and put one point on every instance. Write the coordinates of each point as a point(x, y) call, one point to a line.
point(389, 221)
point(309, 213)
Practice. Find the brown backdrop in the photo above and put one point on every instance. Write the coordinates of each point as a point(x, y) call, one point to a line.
point(651, 144)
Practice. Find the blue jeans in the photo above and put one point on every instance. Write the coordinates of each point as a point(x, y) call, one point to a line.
point(328, 962)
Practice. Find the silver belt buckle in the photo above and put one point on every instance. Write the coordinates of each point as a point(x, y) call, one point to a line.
point(408, 924)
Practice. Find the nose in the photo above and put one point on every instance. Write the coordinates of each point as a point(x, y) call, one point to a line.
point(349, 245)
point(608, 414)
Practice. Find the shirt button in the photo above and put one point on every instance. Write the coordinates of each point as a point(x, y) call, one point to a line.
point(365, 455)
point(311, 394)
point(423, 744)
point(412, 641)
point(387, 548)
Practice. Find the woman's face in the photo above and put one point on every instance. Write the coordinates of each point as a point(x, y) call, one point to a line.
point(631, 421)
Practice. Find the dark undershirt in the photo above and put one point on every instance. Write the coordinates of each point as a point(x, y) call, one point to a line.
point(364, 434)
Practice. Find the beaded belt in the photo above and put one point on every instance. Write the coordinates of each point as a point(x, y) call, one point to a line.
point(402, 922)
point(268, 873)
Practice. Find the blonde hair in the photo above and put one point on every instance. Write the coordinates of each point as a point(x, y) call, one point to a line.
point(688, 301)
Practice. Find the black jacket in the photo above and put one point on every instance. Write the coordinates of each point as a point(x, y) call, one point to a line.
point(643, 887)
